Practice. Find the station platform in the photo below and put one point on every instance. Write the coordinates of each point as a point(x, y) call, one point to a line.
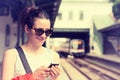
point(109, 57)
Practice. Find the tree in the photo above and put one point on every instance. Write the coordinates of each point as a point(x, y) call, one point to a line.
point(116, 9)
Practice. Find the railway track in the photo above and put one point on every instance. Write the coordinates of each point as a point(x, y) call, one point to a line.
point(71, 71)
point(88, 70)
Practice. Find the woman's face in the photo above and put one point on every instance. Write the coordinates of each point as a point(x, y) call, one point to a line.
point(39, 32)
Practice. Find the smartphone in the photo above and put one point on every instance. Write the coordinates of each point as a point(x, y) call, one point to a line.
point(52, 65)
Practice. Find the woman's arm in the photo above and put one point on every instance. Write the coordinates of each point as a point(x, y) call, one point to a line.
point(55, 71)
point(8, 64)
point(62, 75)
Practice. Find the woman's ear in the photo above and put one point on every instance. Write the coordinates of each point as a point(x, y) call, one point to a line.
point(27, 29)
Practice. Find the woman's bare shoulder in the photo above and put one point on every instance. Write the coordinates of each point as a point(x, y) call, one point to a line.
point(9, 57)
point(11, 52)
point(56, 54)
point(52, 51)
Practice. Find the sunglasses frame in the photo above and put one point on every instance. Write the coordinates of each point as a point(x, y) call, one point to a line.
point(40, 31)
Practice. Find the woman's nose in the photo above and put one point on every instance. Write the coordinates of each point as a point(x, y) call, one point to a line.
point(43, 35)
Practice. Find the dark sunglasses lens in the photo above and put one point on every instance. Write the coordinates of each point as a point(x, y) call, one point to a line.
point(39, 32)
point(48, 32)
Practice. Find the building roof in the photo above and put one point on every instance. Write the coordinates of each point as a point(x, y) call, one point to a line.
point(103, 21)
point(89, 1)
point(51, 6)
point(107, 25)
point(112, 30)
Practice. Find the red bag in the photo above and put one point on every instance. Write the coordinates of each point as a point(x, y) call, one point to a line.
point(24, 77)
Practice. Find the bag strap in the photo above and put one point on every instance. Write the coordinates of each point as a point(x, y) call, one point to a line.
point(24, 60)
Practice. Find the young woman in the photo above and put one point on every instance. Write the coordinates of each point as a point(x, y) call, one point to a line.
point(37, 27)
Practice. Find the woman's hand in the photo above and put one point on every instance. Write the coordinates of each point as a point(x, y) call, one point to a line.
point(41, 73)
point(54, 72)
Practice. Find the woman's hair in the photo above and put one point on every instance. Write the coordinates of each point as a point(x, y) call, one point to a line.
point(30, 13)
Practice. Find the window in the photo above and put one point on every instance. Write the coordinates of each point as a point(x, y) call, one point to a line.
point(59, 16)
point(70, 15)
point(81, 15)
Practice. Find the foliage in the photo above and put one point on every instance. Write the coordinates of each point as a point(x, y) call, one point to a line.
point(116, 9)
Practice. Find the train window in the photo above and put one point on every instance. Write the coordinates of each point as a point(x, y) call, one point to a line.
point(77, 44)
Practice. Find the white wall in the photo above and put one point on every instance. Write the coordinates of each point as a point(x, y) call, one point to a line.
point(13, 27)
point(89, 10)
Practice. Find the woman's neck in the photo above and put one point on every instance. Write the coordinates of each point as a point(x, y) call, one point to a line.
point(31, 48)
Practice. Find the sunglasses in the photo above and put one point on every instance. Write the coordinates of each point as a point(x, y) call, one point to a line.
point(40, 31)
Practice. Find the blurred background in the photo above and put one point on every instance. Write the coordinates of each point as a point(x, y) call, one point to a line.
point(86, 34)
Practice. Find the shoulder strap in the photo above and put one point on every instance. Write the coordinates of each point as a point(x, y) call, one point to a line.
point(24, 60)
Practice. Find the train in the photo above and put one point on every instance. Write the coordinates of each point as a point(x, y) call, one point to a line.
point(72, 47)
point(77, 48)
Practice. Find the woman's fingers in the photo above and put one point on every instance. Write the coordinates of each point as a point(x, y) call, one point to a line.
point(54, 71)
point(41, 73)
